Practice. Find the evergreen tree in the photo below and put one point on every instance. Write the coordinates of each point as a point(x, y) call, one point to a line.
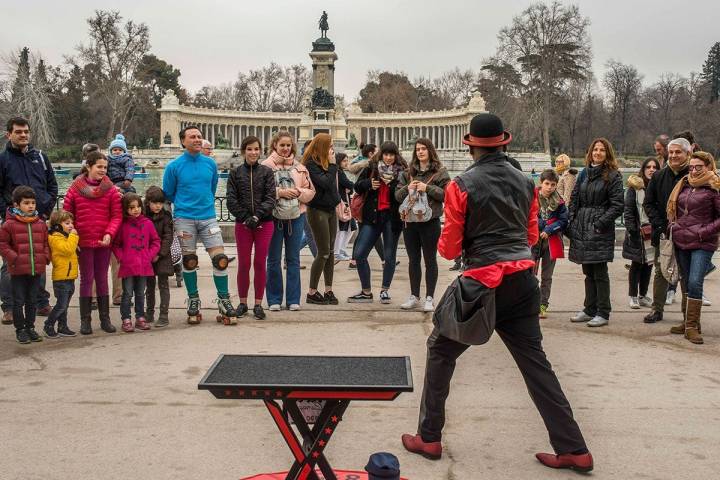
point(22, 76)
point(711, 72)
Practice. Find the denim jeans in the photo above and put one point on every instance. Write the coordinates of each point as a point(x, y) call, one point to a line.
point(6, 297)
point(133, 287)
point(289, 233)
point(369, 233)
point(693, 266)
point(63, 290)
point(308, 238)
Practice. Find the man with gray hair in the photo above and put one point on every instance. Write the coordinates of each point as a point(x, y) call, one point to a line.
point(657, 195)
point(660, 145)
point(207, 148)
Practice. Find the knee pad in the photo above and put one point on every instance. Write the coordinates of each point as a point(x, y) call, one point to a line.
point(189, 262)
point(221, 261)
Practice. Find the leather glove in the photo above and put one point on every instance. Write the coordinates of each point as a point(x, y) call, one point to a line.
point(252, 222)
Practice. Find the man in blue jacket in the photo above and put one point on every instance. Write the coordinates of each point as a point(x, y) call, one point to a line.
point(22, 164)
point(190, 182)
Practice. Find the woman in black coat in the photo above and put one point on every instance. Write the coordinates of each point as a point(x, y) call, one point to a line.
point(634, 245)
point(597, 203)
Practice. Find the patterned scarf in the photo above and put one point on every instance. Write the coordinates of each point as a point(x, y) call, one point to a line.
point(21, 216)
point(89, 190)
point(708, 179)
point(388, 173)
point(548, 204)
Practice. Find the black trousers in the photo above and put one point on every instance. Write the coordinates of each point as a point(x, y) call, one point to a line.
point(517, 324)
point(639, 278)
point(25, 290)
point(421, 242)
point(597, 290)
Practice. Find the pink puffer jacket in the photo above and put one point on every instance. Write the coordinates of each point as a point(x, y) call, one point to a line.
point(135, 246)
point(96, 207)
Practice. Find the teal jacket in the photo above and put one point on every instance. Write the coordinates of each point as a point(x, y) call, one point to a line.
point(190, 182)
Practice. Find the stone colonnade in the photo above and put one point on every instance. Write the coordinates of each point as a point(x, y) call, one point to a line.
point(233, 133)
point(444, 137)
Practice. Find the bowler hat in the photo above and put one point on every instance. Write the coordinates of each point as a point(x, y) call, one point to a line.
point(486, 130)
point(383, 466)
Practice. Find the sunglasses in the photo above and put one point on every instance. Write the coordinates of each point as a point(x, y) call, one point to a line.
point(696, 167)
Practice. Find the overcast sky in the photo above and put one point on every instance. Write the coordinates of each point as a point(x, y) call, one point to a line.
point(211, 41)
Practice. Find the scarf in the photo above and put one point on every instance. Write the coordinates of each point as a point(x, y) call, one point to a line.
point(560, 169)
point(88, 189)
point(548, 204)
point(708, 179)
point(680, 168)
point(282, 162)
point(388, 173)
point(21, 216)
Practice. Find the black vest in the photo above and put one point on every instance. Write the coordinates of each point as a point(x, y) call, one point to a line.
point(498, 206)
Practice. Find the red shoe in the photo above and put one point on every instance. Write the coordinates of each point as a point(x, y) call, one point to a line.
point(580, 463)
point(44, 311)
point(127, 326)
point(415, 444)
point(141, 324)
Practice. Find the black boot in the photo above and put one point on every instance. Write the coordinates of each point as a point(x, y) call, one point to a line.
point(104, 309)
point(85, 309)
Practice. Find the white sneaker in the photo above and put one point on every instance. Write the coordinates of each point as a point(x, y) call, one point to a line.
point(581, 316)
point(294, 307)
point(706, 302)
point(275, 308)
point(670, 297)
point(645, 301)
point(634, 304)
point(598, 321)
point(385, 297)
point(429, 307)
point(412, 302)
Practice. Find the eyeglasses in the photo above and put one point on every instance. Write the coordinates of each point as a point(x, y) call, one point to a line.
point(696, 167)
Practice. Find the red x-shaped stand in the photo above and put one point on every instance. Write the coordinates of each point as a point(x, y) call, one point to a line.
point(310, 453)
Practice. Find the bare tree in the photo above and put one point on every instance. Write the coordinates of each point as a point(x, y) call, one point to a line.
point(296, 84)
point(623, 83)
point(116, 50)
point(455, 87)
point(264, 87)
point(662, 96)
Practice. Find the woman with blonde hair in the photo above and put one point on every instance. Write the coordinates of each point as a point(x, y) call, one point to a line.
point(319, 159)
point(567, 175)
point(293, 192)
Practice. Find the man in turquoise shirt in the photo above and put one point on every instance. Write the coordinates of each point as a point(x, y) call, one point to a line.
point(190, 182)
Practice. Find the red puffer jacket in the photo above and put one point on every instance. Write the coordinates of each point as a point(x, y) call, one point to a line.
point(698, 219)
point(24, 245)
point(97, 209)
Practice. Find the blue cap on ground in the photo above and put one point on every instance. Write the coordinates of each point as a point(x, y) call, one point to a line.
point(383, 466)
point(119, 142)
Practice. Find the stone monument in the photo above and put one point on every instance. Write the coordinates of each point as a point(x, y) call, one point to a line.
point(320, 114)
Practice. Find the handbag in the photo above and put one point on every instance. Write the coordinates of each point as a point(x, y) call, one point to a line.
point(341, 209)
point(357, 202)
point(466, 312)
point(646, 231)
point(668, 260)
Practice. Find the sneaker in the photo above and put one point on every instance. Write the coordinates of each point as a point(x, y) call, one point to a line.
point(634, 303)
point(44, 311)
point(331, 298)
point(49, 332)
point(385, 297)
point(670, 297)
point(64, 331)
point(342, 257)
point(361, 297)
point(162, 321)
point(242, 309)
point(645, 301)
point(22, 336)
point(412, 302)
point(259, 312)
point(581, 316)
point(141, 324)
point(7, 318)
point(456, 266)
point(34, 335)
point(294, 307)
point(316, 298)
point(127, 326)
point(598, 321)
point(275, 308)
point(653, 317)
point(429, 305)
point(710, 270)
point(706, 302)
point(543, 311)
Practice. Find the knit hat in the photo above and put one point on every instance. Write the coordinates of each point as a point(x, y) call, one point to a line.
point(119, 142)
point(383, 466)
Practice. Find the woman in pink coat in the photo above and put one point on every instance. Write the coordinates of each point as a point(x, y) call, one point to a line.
point(136, 247)
point(95, 203)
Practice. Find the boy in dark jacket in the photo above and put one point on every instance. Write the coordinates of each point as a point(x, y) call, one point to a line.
point(24, 246)
point(162, 264)
point(121, 166)
point(552, 221)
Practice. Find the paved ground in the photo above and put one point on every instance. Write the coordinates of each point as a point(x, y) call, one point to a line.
point(127, 406)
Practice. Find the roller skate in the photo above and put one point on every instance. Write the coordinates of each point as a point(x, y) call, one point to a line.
point(227, 314)
point(193, 311)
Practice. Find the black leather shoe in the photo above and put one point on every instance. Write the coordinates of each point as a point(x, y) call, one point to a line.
point(653, 317)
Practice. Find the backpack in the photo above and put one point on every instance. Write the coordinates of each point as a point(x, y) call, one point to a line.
point(286, 208)
point(415, 207)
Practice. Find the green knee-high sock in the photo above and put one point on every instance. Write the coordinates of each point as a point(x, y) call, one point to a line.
point(221, 284)
point(191, 282)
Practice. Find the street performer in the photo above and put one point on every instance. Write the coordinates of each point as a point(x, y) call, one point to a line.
point(491, 219)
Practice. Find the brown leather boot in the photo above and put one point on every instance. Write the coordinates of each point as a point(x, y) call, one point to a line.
point(692, 320)
point(680, 329)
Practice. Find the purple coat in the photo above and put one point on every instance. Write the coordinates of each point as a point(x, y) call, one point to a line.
point(698, 219)
point(135, 246)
